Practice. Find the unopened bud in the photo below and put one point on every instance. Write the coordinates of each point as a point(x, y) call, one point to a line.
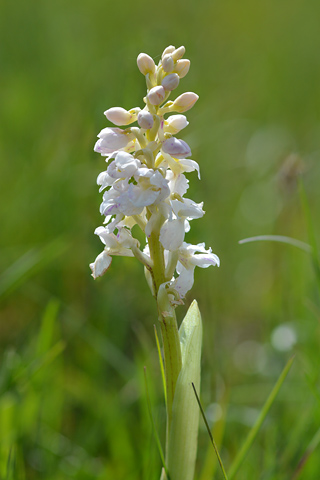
point(175, 123)
point(167, 63)
point(145, 119)
point(184, 102)
point(176, 148)
point(182, 67)
point(171, 81)
point(156, 95)
point(178, 53)
point(120, 116)
point(145, 64)
point(167, 50)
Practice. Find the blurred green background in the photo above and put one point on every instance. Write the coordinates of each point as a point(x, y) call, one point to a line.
point(72, 394)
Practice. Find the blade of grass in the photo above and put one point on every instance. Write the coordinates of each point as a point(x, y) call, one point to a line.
point(210, 462)
point(279, 238)
point(305, 457)
point(256, 427)
point(29, 264)
point(210, 434)
point(313, 387)
point(161, 364)
point(11, 464)
point(153, 425)
point(47, 327)
point(24, 376)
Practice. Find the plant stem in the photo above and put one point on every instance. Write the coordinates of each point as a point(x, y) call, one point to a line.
point(168, 322)
point(172, 358)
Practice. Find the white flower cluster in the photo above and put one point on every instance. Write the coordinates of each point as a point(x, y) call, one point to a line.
point(144, 183)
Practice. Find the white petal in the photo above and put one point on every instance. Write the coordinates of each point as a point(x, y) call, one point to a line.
point(109, 239)
point(100, 265)
point(113, 139)
point(187, 208)
point(205, 260)
point(153, 220)
point(172, 234)
point(184, 281)
point(177, 183)
point(189, 165)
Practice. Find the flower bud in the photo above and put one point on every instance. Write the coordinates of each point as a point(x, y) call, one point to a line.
point(111, 140)
point(182, 67)
point(175, 123)
point(145, 64)
point(184, 102)
point(176, 148)
point(168, 50)
point(156, 95)
point(120, 116)
point(178, 53)
point(167, 63)
point(145, 119)
point(170, 82)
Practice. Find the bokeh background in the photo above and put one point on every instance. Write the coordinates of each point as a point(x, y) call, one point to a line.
point(72, 394)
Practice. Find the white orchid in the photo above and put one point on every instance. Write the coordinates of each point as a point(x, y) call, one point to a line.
point(144, 186)
point(145, 182)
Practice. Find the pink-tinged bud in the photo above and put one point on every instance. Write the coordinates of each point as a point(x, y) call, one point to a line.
point(170, 82)
point(168, 50)
point(145, 119)
point(145, 64)
point(119, 116)
point(175, 123)
point(167, 63)
point(182, 67)
point(156, 95)
point(176, 148)
point(178, 53)
point(184, 102)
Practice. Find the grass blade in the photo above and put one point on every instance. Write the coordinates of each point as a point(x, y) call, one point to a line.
point(210, 434)
point(279, 238)
point(255, 429)
point(310, 449)
point(153, 425)
point(29, 264)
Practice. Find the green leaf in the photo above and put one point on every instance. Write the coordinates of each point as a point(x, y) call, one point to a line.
point(183, 435)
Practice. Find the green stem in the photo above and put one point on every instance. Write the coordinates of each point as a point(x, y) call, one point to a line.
point(167, 319)
point(172, 357)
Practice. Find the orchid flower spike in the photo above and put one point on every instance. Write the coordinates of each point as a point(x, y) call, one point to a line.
point(144, 183)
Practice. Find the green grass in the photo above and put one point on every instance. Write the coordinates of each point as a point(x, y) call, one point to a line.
point(72, 393)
